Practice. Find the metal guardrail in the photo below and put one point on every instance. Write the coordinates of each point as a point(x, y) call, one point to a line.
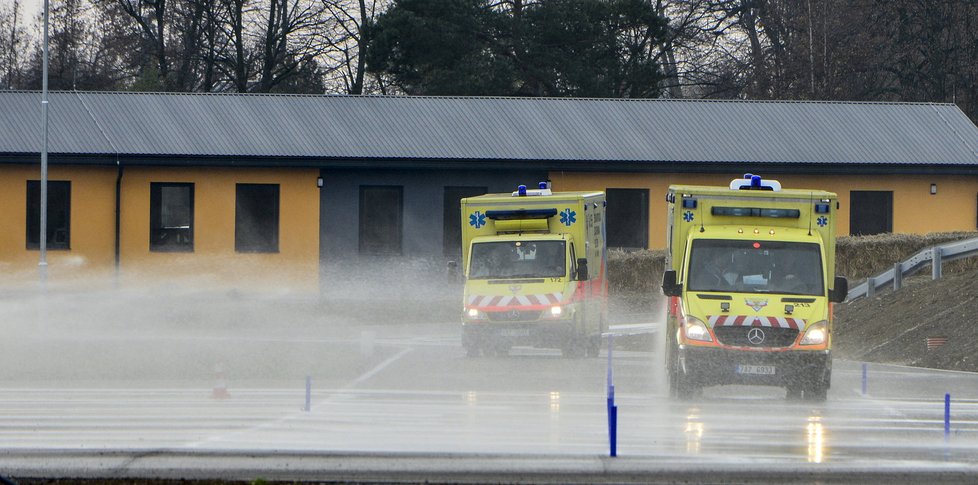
point(935, 256)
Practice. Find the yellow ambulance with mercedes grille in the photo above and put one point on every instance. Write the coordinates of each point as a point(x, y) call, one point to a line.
point(750, 280)
point(535, 272)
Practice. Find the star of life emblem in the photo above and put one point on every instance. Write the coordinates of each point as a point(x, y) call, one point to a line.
point(756, 304)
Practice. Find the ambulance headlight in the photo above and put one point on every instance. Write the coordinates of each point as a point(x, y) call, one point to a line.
point(475, 314)
point(817, 334)
point(696, 330)
point(555, 312)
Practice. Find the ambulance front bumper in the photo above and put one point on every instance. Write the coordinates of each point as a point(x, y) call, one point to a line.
point(538, 334)
point(710, 366)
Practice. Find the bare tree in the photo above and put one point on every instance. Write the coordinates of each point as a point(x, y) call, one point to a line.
point(344, 38)
point(13, 40)
point(151, 19)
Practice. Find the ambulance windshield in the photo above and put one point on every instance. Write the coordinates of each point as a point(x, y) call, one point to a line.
point(518, 259)
point(755, 267)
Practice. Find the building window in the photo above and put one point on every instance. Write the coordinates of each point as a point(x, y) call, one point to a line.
point(171, 217)
point(256, 214)
point(59, 215)
point(381, 220)
point(452, 222)
point(870, 212)
point(628, 218)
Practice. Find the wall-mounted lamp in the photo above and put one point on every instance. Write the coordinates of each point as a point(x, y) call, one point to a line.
point(319, 182)
point(933, 189)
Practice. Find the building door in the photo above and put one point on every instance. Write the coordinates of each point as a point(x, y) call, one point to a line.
point(870, 212)
point(381, 220)
point(628, 218)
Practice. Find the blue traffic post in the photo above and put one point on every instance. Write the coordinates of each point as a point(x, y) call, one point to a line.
point(308, 393)
point(612, 409)
point(947, 416)
point(864, 378)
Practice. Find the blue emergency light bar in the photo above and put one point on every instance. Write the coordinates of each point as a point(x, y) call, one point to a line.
point(514, 214)
point(755, 212)
point(755, 182)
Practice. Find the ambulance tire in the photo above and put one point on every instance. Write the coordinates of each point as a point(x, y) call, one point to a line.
point(812, 392)
point(501, 349)
point(686, 388)
point(574, 347)
point(593, 346)
point(671, 371)
point(816, 393)
point(472, 342)
point(681, 385)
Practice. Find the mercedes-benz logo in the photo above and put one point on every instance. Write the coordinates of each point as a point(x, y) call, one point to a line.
point(515, 315)
point(755, 336)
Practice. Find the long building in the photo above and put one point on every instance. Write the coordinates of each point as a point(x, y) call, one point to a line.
point(289, 189)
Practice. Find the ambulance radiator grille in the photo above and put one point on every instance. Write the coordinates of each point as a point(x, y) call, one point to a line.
point(515, 316)
point(738, 336)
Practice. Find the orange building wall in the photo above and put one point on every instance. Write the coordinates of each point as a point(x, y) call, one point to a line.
point(214, 259)
point(92, 224)
point(91, 258)
point(915, 210)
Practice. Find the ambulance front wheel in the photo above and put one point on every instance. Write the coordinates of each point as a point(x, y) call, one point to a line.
point(686, 387)
point(593, 346)
point(813, 390)
point(472, 342)
point(574, 347)
point(575, 344)
point(681, 384)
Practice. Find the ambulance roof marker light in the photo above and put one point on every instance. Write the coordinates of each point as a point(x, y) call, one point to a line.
point(755, 182)
point(542, 185)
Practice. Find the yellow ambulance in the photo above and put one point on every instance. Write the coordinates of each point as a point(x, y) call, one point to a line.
point(535, 272)
point(750, 279)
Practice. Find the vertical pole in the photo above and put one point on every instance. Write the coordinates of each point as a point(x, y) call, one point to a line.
point(43, 242)
point(897, 276)
point(308, 393)
point(935, 263)
point(864, 378)
point(612, 409)
point(870, 287)
point(947, 416)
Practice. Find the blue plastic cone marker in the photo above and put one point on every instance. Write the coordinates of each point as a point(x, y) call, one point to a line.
point(613, 416)
point(612, 409)
point(864, 378)
point(947, 416)
point(308, 393)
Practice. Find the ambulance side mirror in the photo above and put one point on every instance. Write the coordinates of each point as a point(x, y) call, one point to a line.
point(840, 291)
point(582, 269)
point(669, 285)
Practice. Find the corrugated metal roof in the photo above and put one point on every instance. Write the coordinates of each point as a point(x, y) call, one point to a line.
point(446, 128)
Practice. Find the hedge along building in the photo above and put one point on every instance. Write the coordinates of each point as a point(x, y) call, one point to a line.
point(224, 186)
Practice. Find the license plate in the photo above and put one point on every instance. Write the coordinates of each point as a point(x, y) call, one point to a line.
point(515, 332)
point(767, 370)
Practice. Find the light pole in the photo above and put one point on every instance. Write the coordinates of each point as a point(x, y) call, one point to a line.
point(43, 264)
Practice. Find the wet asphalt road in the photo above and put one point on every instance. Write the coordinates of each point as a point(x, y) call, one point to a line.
point(407, 405)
